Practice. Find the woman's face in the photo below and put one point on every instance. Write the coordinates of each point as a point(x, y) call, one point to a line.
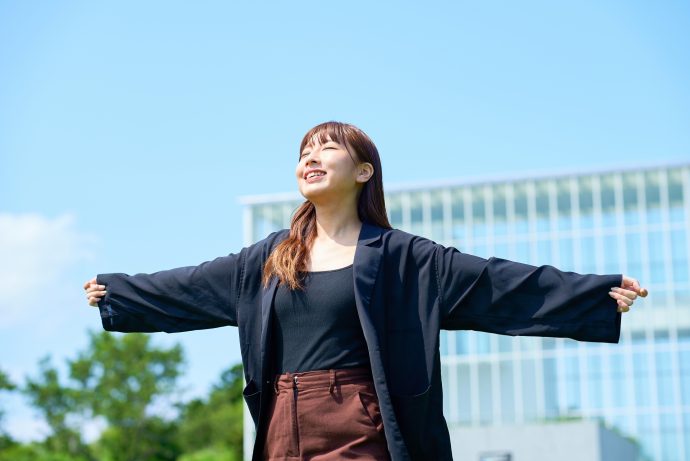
point(327, 170)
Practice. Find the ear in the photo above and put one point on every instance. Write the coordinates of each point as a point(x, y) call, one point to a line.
point(365, 171)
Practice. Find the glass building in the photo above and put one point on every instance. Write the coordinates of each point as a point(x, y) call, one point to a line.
point(632, 221)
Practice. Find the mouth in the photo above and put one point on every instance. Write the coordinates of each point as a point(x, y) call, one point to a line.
point(314, 175)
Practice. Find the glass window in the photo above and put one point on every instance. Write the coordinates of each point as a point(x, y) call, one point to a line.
point(416, 212)
point(679, 256)
point(633, 243)
point(608, 202)
point(618, 381)
point(669, 436)
point(550, 387)
point(611, 259)
point(586, 203)
point(458, 205)
point(529, 390)
point(461, 343)
point(641, 373)
point(684, 336)
point(437, 227)
point(661, 337)
point(653, 197)
point(485, 398)
point(638, 338)
point(481, 249)
point(437, 207)
point(395, 213)
point(501, 250)
point(565, 253)
point(544, 252)
point(500, 211)
point(664, 378)
point(572, 384)
point(675, 197)
point(543, 209)
point(548, 344)
point(645, 427)
point(656, 257)
point(631, 203)
point(522, 251)
point(521, 215)
point(479, 229)
point(464, 392)
point(588, 261)
point(507, 391)
point(443, 339)
point(684, 362)
point(686, 432)
point(563, 202)
point(445, 378)
point(506, 343)
point(482, 342)
point(595, 381)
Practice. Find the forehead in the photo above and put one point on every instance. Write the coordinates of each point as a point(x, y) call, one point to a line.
point(322, 137)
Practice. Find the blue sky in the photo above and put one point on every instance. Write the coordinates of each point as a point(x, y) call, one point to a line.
point(128, 130)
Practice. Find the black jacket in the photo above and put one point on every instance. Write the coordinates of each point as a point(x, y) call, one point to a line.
point(407, 288)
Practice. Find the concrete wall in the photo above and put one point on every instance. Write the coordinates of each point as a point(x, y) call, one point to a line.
point(564, 441)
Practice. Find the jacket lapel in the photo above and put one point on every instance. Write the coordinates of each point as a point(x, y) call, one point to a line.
point(266, 311)
point(366, 269)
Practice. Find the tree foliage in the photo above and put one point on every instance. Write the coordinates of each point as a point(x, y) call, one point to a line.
point(122, 382)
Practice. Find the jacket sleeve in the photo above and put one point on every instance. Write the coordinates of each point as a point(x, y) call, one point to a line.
point(499, 296)
point(180, 299)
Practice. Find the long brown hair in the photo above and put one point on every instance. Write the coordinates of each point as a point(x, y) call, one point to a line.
point(290, 257)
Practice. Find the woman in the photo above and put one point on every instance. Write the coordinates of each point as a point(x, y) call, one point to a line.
point(339, 316)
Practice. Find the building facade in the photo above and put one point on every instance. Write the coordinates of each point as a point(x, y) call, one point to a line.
point(628, 221)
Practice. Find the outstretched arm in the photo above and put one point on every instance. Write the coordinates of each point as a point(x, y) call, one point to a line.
point(500, 296)
point(180, 299)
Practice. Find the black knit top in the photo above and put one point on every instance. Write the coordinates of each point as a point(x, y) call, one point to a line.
point(318, 328)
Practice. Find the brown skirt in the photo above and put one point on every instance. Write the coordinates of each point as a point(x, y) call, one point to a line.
point(325, 415)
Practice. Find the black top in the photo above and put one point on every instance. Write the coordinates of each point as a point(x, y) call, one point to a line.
point(318, 328)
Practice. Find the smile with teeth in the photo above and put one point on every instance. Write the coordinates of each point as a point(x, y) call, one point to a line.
point(314, 174)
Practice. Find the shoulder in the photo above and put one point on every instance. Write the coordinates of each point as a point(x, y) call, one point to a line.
point(399, 242)
point(262, 248)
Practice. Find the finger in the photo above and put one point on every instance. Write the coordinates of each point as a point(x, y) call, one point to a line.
point(95, 288)
point(627, 293)
point(92, 281)
point(621, 298)
point(623, 308)
point(631, 282)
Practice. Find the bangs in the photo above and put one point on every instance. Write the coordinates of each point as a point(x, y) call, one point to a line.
point(320, 133)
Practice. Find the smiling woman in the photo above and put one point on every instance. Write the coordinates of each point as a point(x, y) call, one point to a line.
point(339, 315)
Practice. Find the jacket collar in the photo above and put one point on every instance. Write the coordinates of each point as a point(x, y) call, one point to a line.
point(369, 233)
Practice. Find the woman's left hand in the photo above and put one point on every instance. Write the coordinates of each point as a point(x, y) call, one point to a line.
point(626, 294)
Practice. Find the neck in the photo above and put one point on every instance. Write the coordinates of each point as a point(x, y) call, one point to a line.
point(337, 222)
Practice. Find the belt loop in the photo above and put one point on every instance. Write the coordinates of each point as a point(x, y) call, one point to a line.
point(275, 384)
point(332, 384)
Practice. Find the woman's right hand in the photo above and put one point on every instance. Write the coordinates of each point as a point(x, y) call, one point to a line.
point(94, 292)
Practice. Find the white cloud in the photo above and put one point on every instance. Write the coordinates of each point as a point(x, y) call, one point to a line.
point(35, 254)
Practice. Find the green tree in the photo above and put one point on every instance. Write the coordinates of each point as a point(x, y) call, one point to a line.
point(120, 379)
point(211, 429)
point(5, 385)
point(58, 404)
